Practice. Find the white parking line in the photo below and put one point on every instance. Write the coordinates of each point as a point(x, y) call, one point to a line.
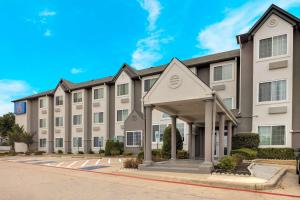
point(98, 162)
point(59, 164)
point(73, 163)
point(86, 162)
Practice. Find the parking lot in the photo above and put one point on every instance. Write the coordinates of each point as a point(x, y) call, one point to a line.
point(74, 178)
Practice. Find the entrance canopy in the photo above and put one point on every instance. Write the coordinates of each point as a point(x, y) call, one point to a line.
point(179, 92)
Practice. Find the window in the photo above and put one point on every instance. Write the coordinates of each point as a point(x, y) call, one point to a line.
point(98, 141)
point(180, 127)
point(59, 142)
point(77, 141)
point(77, 119)
point(59, 100)
point(149, 83)
point(119, 138)
point(43, 142)
point(43, 123)
point(134, 138)
point(271, 135)
point(272, 91)
point(165, 115)
point(98, 117)
point(122, 115)
point(155, 133)
point(273, 46)
point(77, 97)
point(42, 103)
point(162, 128)
point(223, 72)
point(98, 93)
point(122, 89)
point(59, 121)
point(228, 102)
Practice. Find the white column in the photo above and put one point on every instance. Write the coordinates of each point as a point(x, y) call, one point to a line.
point(190, 137)
point(229, 137)
point(173, 138)
point(221, 134)
point(148, 133)
point(208, 131)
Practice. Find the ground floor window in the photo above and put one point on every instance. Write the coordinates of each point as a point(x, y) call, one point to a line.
point(43, 142)
point(59, 142)
point(271, 135)
point(77, 141)
point(98, 141)
point(134, 138)
point(119, 138)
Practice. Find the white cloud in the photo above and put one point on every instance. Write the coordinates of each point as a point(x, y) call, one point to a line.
point(148, 49)
point(221, 35)
point(10, 90)
point(47, 33)
point(47, 13)
point(75, 70)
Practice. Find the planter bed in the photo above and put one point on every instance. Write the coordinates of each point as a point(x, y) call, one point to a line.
point(239, 170)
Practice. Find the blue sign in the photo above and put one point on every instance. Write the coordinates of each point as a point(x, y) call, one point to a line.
point(20, 108)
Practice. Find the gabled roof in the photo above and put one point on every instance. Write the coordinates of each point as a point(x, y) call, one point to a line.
point(45, 93)
point(128, 69)
point(273, 9)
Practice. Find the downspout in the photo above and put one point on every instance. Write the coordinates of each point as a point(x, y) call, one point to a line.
point(213, 126)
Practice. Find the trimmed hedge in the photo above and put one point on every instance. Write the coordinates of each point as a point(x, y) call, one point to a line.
point(227, 163)
point(182, 154)
point(245, 140)
point(248, 154)
point(113, 148)
point(276, 153)
point(166, 148)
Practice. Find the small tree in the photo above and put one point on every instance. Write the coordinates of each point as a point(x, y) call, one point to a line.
point(166, 148)
point(27, 138)
point(7, 122)
point(15, 135)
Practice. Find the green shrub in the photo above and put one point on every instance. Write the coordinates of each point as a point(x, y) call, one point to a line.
point(140, 155)
point(245, 140)
point(166, 148)
point(101, 151)
point(60, 152)
point(276, 153)
point(248, 154)
point(37, 153)
point(12, 153)
point(182, 154)
point(227, 163)
point(132, 163)
point(91, 152)
point(115, 152)
point(238, 158)
point(127, 153)
point(156, 155)
point(115, 146)
point(80, 152)
point(69, 152)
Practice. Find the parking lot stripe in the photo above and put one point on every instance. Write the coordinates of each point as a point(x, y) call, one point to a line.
point(73, 163)
point(59, 164)
point(84, 164)
point(98, 162)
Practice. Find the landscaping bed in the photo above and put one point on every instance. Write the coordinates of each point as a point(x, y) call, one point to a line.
point(241, 169)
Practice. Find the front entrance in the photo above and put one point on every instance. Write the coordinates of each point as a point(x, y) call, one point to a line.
point(217, 141)
point(199, 143)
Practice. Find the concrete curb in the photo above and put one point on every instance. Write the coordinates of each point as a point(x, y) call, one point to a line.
point(252, 186)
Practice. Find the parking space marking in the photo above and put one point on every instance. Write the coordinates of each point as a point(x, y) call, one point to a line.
point(59, 164)
point(85, 163)
point(73, 163)
point(98, 162)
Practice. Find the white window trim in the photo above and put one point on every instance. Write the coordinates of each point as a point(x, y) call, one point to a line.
point(40, 123)
point(272, 57)
point(95, 88)
point(141, 132)
point(62, 143)
point(213, 66)
point(98, 123)
point(40, 142)
point(272, 102)
point(77, 125)
point(124, 95)
point(274, 146)
point(44, 99)
point(55, 121)
point(156, 124)
point(63, 97)
point(82, 145)
point(99, 139)
point(82, 97)
point(232, 102)
point(128, 113)
point(149, 78)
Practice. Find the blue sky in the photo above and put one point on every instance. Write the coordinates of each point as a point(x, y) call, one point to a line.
point(43, 41)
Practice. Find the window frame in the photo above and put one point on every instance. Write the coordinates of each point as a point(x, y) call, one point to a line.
point(100, 138)
point(74, 120)
point(119, 85)
point(73, 95)
point(58, 96)
point(232, 102)
point(58, 138)
point(133, 139)
point(273, 125)
point(59, 124)
point(99, 88)
point(122, 120)
point(272, 57)
point(44, 127)
point(99, 118)
point(276, 101)
point(44, 139)
point(222, 64)
point(149, 79)
point(44, 103)
point(77, 138)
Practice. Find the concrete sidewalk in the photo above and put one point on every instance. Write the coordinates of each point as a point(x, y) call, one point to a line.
point(264, 177)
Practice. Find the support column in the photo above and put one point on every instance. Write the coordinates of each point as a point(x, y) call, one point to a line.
point(148, 133)
point(173, 138)
point(208, 131)
point(229, 137)
point(234, 132)
point(190, 137)
point(221, 134)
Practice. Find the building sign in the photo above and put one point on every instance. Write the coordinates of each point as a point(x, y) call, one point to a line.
point(20, 108)
point(175, 81)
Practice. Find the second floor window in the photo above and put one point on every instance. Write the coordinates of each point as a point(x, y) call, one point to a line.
point(98, 93)
point(273, 46)
point(59, 121)
point(98, 117)
point(228, 102)
point(122, 89)
point(122, 115)
point(148, 84)
point(43, 123)
point(272, 91)
point(42, 103)
point(77, 119)
point(223, 72)
point(77, 97)
point(59, 100)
